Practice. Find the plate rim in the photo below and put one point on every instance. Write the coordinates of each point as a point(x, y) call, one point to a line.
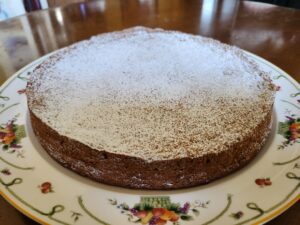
point(36, 62)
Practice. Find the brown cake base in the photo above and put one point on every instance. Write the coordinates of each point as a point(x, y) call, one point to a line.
point(133, 172)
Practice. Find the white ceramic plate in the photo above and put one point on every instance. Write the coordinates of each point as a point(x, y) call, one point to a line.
point(50, 194)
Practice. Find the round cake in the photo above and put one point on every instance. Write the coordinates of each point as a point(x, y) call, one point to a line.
point(151, 109)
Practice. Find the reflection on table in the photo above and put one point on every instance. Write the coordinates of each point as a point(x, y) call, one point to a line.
point(28, 37)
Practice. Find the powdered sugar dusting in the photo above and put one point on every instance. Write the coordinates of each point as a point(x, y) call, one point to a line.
point(151, 94)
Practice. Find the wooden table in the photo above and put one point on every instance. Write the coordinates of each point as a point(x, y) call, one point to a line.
point(269, 31)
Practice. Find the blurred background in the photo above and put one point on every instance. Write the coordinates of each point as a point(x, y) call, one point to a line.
point(9, 8)
point(25, 38)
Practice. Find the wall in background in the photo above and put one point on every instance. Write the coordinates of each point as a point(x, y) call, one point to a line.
point(286, 3)
point(9, 8)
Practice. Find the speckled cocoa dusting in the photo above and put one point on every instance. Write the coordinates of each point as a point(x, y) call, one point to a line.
point(151, 109)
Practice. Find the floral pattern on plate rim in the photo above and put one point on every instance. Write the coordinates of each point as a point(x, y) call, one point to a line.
point(155, 209)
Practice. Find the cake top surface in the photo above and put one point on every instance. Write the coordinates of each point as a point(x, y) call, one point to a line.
point(152, 94)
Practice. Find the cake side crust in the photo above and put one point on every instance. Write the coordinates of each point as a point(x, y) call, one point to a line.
point(136, 173)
